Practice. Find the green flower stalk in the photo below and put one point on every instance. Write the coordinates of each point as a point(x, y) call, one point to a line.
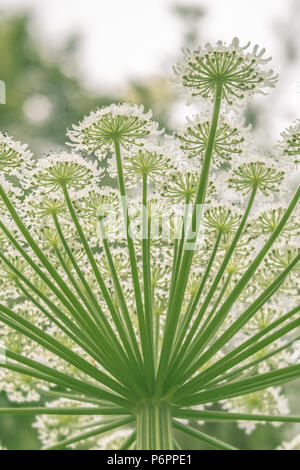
point(169, 298)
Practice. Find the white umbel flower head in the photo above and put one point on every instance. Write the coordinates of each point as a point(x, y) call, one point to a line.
point(152, 161)
point(128, 124)
point(290, 142)
point(240, 72)
point(63, 169)
point(229, 141)
point(264, 173)
point(13, 155)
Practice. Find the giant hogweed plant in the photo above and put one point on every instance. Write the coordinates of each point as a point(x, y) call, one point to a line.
point(170, 297)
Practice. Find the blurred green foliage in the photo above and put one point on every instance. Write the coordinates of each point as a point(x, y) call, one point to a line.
point(41, 99)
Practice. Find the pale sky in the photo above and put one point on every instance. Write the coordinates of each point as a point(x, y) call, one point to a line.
point(125, 39)
point(129, 38)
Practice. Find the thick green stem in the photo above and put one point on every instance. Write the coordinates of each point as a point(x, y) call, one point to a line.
point(146, 266)
point(192, 307)
point(146, 347)
point(179, 250)
point(153, 426)
point(187, 257)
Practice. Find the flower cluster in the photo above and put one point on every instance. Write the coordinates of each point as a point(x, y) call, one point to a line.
point(171, 293)
point(238, 71)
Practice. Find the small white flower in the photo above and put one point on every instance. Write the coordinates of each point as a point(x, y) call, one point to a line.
point(128, 124)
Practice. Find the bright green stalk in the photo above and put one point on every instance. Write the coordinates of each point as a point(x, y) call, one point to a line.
point(79, 272)
point(218, 300)
point(39, 336)
point(251, 364)
point(72, 396)
point(153, 426)
point(146, 234)
point(146, 346)
point(244, 318)
point(96, 271)
point(156, 339)
point(42, 372)
point(121, 299)
point(179, 251)
point(180, 286)
point(212, 441)
point(180, 345)
point(223, 365)
point(128, 443)
point(85, 411)
point(74, 332)
point(51, 270)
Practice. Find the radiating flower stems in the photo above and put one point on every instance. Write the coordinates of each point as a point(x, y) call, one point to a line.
point(188, 315)
point(91, 331)
point(100, 281)
point(45, 340)
point(222, 366)
point(146, 237)
point(212, 441)
point(56, 276)
point(84, 411)
point(179, 249)
point(253, 339)
point(241, 387)
point(72, 330)
point(218, 300)
point(146, 346)
point(91, 350)
point(199, 343)
point(199, 359)
point(219, 274)
point(95, 303)
point(72, 303)
point(180, 286)
point(94, 266)
point(220, 315)
point(35, 369)
point(120, 296)
point(221, 416)
point(249, 365)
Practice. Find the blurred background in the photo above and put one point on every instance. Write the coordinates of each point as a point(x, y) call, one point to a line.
point(62, 58)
